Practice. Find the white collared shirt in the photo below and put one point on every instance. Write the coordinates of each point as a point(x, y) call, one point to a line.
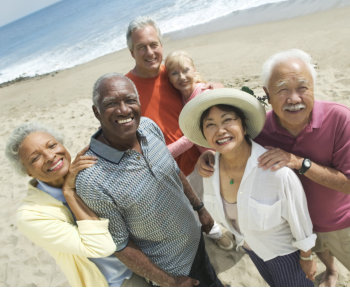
point(272, 210)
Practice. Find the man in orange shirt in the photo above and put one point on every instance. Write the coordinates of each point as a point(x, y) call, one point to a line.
point(159, 99)
point(161, 102)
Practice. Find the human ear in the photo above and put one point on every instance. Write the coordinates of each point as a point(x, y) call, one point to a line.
point(267, 93)
point(96, 113)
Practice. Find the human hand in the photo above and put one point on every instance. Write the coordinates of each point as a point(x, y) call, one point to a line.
point(185, 281)
point(276, 158)
point(213, 85)
point(80, 162)
point(205, 163)
point(206, 220)
point(309, 268)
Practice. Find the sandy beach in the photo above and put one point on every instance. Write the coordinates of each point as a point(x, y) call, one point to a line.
point(234, 57)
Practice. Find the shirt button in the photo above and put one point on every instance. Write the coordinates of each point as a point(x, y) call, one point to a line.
point(138, 157)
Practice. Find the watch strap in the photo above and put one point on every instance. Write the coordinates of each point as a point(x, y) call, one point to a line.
point(306, 164)
point(199, 206)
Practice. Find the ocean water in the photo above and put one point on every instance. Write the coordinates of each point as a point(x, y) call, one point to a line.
point(72, 32)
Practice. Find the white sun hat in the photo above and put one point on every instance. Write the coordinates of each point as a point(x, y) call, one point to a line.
point(189, 119)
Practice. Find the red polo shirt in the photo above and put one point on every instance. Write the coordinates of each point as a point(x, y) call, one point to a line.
point(326, 141)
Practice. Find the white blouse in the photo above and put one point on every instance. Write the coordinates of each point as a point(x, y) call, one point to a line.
point(273, 217)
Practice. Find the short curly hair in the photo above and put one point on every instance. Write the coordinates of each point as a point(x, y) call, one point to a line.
point(96, 89)
point(17, 137)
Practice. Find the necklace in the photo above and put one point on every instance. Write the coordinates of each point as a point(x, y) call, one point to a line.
point(238, 170)
point(232, 181)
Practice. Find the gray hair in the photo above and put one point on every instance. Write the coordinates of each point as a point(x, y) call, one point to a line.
point(96, 89)
point(284, 56)
point(17, 137)
point(139, 23)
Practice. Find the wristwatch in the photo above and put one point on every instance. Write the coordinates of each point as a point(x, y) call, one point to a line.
point(198, 207)
point(305, 166)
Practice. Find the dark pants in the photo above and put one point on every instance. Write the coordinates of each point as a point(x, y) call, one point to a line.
point(281, 271)
point(202, 269)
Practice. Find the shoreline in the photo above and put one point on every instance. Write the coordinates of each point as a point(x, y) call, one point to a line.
point(266, 13)
point(24, 78)
point(263, 13)
point(233, 57)
point(251, 37)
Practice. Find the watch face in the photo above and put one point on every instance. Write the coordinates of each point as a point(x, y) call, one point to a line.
point(305, 166)
point(307, 163)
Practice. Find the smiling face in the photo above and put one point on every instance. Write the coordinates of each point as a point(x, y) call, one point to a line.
point(118, 111)
point(182, 76)
point(44, 158)
point(291, 94)
point(223, 130)
point(147, 52)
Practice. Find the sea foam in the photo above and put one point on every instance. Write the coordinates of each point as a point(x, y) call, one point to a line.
point(70, 33)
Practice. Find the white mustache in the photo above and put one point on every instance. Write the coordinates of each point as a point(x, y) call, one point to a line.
point(294, 107)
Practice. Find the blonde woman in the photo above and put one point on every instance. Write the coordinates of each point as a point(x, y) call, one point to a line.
point(184, 77)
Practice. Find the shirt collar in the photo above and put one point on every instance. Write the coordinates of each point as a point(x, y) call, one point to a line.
point(317, 115)
point(52, 191)
point(107, 152)
point(256, 151)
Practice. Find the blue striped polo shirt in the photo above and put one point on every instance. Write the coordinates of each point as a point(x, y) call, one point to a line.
point(142, 196)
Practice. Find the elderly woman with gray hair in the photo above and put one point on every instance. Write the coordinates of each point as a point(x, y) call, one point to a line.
point(54, 217)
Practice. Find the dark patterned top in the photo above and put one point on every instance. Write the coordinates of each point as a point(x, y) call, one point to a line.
point(143, 198)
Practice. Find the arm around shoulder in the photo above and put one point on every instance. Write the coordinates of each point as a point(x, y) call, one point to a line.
point(180, 146)
point(51, 228)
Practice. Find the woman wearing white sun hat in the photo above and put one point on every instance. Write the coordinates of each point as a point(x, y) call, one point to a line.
point(266, 211)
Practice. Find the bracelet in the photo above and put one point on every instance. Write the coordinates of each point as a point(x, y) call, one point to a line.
point(307, 257)
point(198, 207)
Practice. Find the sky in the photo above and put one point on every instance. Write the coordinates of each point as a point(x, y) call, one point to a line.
point(12, 10)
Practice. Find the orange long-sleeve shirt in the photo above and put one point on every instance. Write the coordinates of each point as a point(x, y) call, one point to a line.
point(162, 103)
